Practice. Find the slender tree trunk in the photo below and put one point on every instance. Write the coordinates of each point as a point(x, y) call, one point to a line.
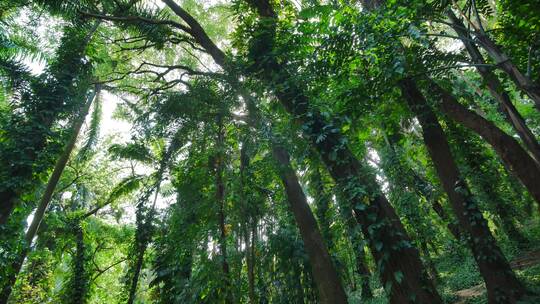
point(47, 195)
point(325, 275)
point(517, 160)
point(359, 253)
point(136, 273)
point(497, 90)
point(250, 261)
point(322, 203)
point(418, 183)
point(501, 283)
point(143, 239)
point(80, 279)
point(58, 170)
point(324, 272)
point(220, 198)
point(503, 62)
point(250, 224)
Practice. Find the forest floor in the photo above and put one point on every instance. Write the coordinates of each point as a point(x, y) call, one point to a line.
point(525, 261)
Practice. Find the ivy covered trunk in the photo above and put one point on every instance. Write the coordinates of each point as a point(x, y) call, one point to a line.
point(355, 238)
point(324, 272)
point(481, 175)
point(408, 178)
point(45, 200)
point(401, 269)
point(322, 200)
point(76, 291)
point(143, 235)
point(137, 267)
point(501, 283)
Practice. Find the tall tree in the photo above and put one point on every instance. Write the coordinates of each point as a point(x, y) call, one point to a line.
point(495, 269)
point(55, 95)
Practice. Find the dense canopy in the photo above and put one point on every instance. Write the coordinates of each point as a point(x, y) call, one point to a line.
point(269, 151)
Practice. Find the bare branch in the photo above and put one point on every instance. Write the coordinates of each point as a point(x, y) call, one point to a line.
point(138, 19)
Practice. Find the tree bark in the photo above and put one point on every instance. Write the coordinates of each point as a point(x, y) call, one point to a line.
point(135, 279)
point(250, 224)
point(324, 272)
point(522, 82)
point(501, 282)
point(497, 90)
point(250, 261)
point(79, 279)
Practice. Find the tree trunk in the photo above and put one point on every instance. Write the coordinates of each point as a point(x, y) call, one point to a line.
point(497, 90)
point(143, 238)
point(363, 272)
point(503, 62)
point(501, 283)
point(79, 280)
point(136, 273)
point(324, 273)
point(219, 163)
point(480, 164)
point(326, 277)
point(517, 160)
point(250, 223)
point(322, 203)
point(360, 254)
point(47, 195)
point(250, 257)
point(401, 267)
point(413, 180)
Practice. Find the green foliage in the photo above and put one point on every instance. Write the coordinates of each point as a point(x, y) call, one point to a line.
point(149, 215)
